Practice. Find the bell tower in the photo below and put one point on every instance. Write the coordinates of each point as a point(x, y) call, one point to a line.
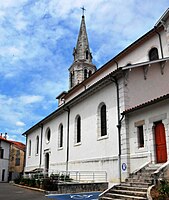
point(82, 66)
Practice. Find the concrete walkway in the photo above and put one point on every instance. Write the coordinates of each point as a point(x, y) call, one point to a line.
point(11, 192)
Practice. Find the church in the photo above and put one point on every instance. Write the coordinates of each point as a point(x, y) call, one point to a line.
point(114, 119)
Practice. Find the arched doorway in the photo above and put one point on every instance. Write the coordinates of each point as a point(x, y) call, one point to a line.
point(160, 143)
point(47, 163)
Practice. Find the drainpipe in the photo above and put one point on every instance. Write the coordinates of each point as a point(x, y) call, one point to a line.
point(41, 136)
point(114, 79)
point(67, 109)
point(155, 28)
point(24, 164)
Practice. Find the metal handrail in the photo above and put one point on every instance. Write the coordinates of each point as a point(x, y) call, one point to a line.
point(75, 176)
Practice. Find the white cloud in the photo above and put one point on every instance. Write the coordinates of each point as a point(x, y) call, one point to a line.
point(19, 123)
point(12, 3)
point(29, 99)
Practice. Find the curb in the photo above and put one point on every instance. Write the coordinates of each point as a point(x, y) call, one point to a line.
point(30, 188)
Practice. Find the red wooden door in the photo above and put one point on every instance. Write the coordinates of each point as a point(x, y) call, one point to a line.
point(161, 149)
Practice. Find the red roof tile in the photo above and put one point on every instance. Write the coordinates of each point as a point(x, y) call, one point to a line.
point(17, 144)
point(2, 138)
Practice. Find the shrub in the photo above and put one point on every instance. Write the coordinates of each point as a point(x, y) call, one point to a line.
point(163, 189)
point(32, 182)
point(65, 178)
point(18, 180)
point(25, 181)
point(54, 176)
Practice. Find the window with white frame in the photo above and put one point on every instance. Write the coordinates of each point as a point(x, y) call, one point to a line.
point(30, 148)
point(153, 54)
point(102, 120)
point(77, 129)
point(48, 135)
point(37, 144)
point(140, 132)
point(60, 139)
point(140, 136)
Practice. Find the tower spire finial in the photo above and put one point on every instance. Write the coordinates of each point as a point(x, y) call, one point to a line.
point(83, 9)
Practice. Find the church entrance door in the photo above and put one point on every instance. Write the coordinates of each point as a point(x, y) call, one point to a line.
point(160, 143)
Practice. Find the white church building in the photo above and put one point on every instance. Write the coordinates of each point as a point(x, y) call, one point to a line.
point(114, 119)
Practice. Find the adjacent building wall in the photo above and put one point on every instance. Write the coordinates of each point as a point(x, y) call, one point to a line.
point(4, 162)
point(17, 161)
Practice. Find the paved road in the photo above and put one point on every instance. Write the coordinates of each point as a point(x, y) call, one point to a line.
point(10, 192)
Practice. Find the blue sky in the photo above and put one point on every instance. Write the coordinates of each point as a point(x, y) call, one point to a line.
point(36, 44)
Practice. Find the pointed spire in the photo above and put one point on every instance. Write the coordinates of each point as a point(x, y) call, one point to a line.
point(82, 66)
point(82, 50)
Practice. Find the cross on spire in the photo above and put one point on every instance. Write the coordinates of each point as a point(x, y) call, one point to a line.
point(83, 9)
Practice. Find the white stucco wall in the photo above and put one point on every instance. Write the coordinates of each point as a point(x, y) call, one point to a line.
point(141, 90)
point(4, 163)
point(57, 156)
point(93, 153)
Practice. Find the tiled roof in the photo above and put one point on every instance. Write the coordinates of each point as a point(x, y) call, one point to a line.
point(143, 105)
point(2, 138)
point(17, 144)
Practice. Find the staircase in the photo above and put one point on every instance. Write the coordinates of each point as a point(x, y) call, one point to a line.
point(134, 187)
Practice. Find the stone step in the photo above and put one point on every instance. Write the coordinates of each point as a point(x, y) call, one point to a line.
point(142, 180)
point(108, 198)
point(123, 187)
point(128, 192)
point(144, 173)
point(148, 168)
point(123, 196)
point(134, 187)
point(137, 184)
point(157, 165)
point(105, 198)
point(137, 177)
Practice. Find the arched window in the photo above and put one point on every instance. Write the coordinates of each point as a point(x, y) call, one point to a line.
point(90, 73)
point(78, 129)
point(48, 135)
point(71, 79)
point(153, 54)
point(85, 73)
point(37, 144)
point(29, 153)
point(103, 120)
point(87, 54)
point(60, 139)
